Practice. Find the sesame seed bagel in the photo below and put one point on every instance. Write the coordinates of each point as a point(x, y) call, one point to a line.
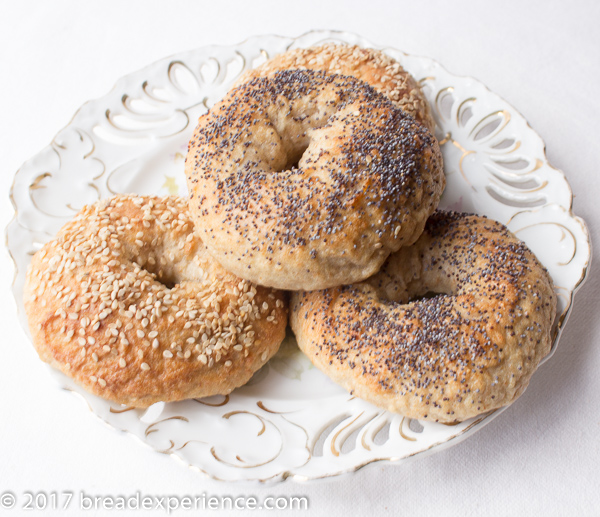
point(126, 301)
point(372, 66)
point(469, 349)
point(307, 180)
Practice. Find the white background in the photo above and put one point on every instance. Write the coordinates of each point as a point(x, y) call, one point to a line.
point(538, 458)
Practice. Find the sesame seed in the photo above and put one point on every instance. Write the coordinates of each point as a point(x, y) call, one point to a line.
point(101, 287)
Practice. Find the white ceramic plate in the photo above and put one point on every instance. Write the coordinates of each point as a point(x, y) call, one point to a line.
point(290, 420)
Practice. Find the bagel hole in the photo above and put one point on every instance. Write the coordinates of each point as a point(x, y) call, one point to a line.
point(425, 296)
point(162, 274)
point(394, 293)
point(294, 156)
point(169, 283)
point(167, 278)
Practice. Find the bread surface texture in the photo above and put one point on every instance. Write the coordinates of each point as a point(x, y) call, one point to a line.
point(126, 301)
point(470, 346)
point(373, 66)
point(307, 180)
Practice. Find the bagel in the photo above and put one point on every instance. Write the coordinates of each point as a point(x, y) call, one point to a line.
point(307, 180)
point(374, 67)
point(469, 349)
point(126, 301)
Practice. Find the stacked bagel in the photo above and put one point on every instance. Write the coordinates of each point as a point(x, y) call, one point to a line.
point(315, 179)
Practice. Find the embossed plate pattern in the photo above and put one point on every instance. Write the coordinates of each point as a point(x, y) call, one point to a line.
point(290, 420)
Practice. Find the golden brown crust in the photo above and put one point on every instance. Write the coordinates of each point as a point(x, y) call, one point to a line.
point(367, 178)
point(126, 301)
point(468, 350)
point(372, 66)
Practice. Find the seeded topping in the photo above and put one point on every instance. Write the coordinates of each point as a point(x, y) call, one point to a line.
point(301, 179)
point(370, 65)
point(130, 290)
point(451, 327)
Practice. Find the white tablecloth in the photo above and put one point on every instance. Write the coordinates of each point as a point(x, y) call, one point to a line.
point(538, 458)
